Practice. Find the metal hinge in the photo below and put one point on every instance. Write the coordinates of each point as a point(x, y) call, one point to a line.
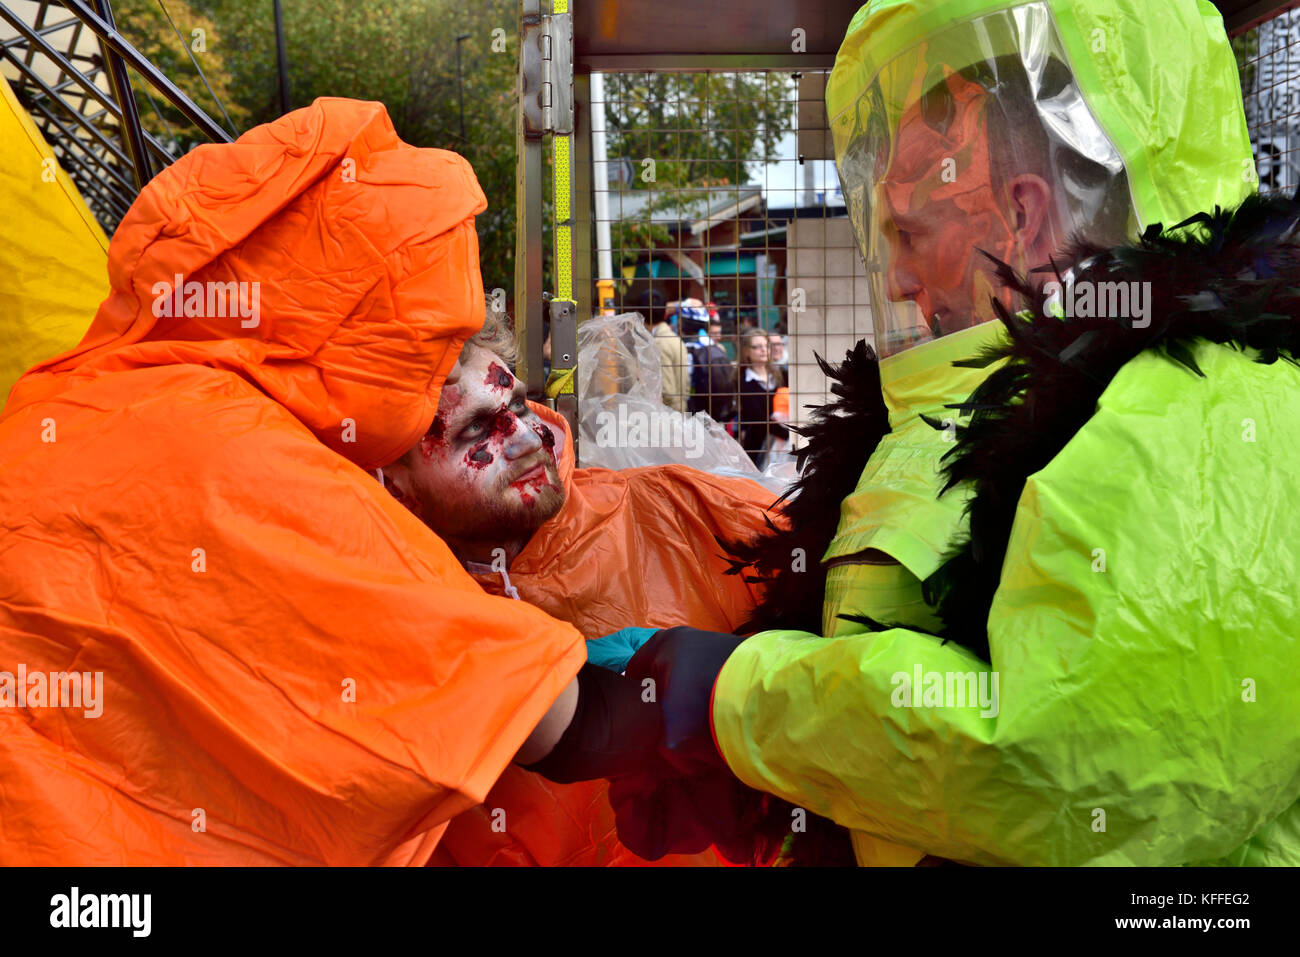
point(547, 71)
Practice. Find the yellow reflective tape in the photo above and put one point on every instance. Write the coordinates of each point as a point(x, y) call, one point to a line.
point(563, 229)
point(562, 144)
point(560, 382)
point(563, 262)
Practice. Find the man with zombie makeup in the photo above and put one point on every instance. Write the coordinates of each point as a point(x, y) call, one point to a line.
point(495, 478)
point(486, 476)
point(295, 669)
point(1046, 541)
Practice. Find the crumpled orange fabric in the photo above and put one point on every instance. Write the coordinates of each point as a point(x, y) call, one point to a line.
point(634, 547)
point(295, 670)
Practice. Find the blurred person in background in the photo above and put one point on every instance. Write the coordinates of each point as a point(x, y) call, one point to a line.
point(759, 381)
point(713, 377)
point(776, 351)
point(674, 359)
point(690, 318)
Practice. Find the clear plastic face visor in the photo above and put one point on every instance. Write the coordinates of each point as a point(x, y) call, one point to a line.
point(943, 158)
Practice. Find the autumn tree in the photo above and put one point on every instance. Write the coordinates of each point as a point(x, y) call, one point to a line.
point(401, 53)
point(184, 44)
point(700, 129)
point(682, 133)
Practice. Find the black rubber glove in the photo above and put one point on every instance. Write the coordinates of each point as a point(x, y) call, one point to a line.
point(690, 800)
point(684, 663)
point(613, 731)
point(664, 812)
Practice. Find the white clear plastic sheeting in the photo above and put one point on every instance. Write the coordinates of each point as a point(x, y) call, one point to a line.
point(623, 422)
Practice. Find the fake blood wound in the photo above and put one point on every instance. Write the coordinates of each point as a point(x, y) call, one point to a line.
point(548, 441)
point(502, 424)
point(530, 483)
point(498, 378)
point(478, 457)
point(450, 400)
point(500, 427)
point(434, 439)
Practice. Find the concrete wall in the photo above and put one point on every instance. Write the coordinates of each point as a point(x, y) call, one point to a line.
point(823, 261)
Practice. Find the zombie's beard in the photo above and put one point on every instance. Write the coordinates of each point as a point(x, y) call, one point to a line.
point(503, 523)
point(505, 515)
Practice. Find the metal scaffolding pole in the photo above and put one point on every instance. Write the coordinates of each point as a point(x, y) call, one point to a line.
point(528, 200)
point(120, 81)
point(600, 186)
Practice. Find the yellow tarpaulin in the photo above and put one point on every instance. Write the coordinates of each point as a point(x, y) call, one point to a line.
point(53, 255)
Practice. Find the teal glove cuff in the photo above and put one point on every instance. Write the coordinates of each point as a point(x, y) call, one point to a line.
point(615, 650)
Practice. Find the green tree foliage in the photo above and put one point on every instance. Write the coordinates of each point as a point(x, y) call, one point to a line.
point(697, 126)
point(400, 52)
point(700, 130)
point(175, 45)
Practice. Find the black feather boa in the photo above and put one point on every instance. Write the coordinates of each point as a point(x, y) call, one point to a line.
point(841, 437)
point(1232, 280)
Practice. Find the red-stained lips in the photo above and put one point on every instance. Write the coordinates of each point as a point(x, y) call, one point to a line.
point(535, 474)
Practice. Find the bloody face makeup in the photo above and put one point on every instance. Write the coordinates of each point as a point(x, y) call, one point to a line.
point(487, 471)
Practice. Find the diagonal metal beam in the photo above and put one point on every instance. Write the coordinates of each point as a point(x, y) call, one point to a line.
point(155, 77)
point(96, 193)
point(120, 81)
point(103, 98)
point(70, 136)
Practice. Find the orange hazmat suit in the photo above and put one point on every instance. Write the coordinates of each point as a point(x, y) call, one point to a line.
point(291, 668)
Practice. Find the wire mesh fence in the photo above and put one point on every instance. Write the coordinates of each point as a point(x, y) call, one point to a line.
point(730, 241)
point(736, 248)
point(1269, 60)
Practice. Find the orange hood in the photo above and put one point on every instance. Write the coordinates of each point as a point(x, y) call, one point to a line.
point(293, 668)
point(366, 263)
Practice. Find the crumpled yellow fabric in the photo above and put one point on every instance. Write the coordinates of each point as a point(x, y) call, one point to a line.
point(54, 252)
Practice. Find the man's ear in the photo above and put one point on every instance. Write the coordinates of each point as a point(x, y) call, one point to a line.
point(1031, 204)
point(400, 484)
